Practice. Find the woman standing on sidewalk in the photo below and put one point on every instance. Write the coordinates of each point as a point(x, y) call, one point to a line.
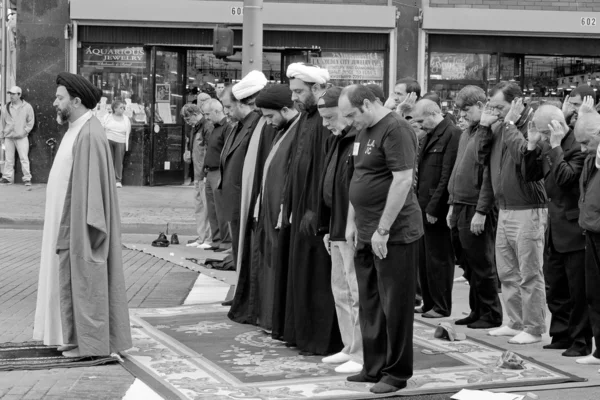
point(117, 127)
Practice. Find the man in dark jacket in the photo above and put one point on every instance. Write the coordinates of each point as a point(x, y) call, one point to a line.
point(560, 164)
point(333, 214)
point(435, 162)
point(587, 133)
point(471, 202)
point(522, 215)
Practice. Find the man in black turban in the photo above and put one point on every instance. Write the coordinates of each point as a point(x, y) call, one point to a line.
point(81, 245)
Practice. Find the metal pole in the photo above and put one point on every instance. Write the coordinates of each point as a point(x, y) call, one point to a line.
point(4, 50)
point(252, 40)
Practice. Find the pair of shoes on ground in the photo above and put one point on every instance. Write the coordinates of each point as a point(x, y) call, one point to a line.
point(162, 240)
point(347, 365)
point(518, 337)
point(380, 387)
point(5, 181)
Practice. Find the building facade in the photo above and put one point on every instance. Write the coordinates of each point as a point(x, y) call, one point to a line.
point(547, 46)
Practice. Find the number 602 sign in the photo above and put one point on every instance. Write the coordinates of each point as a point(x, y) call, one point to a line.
point(240, 11)
point(588, 21)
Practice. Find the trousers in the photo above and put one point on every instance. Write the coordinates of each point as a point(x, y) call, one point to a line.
point(200, 212)
point(592, 283)
point(218, 226)
point(20, 146)
point(117, 150)
point(386, 295)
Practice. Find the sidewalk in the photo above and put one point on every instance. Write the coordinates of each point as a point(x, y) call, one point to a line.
point(143, 209)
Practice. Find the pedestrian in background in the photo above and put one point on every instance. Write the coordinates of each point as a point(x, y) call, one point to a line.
point(117, 127)
point(16, 122)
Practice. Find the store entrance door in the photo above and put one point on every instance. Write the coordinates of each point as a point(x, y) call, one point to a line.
point(166, 125)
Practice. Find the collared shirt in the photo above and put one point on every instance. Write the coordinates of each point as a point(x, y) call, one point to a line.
point(215, 143)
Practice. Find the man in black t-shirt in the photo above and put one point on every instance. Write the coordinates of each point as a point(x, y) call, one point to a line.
point(385, 234)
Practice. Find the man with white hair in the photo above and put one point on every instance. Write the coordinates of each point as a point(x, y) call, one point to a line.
point(250, 167)
point(559, 163)
point(311, 324)
point(437, 153)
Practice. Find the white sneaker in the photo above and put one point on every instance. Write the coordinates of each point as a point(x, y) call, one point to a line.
point(119, 185)
point(337, 358)
point(204, 246)
point(350, 367)
point(503, 331)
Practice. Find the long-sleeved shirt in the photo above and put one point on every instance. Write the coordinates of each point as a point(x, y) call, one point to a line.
point(215, 143)
point(17, 121)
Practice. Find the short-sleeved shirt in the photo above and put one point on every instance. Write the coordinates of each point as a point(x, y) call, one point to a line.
point(388, 146)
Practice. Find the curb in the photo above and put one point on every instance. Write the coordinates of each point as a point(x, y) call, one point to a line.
point(126, 227)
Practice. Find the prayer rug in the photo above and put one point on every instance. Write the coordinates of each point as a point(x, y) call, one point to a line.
point(34, 355)
point(196, 352)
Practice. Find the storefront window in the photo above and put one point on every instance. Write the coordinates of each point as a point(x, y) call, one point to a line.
point(120, 71)
point(352, 68)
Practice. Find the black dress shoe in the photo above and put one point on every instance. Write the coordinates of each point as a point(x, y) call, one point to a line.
point(174, 239)
point(482, 324)
point(558, 345)
point(577, 351)
point(161, 241)
point(466, 321)
point(227, 303)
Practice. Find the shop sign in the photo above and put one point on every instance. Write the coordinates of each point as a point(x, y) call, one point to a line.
point(352, 66)
point(453, 66)
point(114, 56)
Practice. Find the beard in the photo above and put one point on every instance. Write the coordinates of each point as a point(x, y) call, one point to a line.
point(63, 115)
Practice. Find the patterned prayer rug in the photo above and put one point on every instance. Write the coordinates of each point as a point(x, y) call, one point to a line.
point(34, 355)
point(196, 352)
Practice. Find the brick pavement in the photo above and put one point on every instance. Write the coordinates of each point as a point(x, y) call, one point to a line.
point(151, 282)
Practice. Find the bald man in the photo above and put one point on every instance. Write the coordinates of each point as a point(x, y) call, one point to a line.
point(436, 158)
point(213, 111)
point(559, 163)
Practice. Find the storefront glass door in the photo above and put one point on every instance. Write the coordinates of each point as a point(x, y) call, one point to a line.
point(167, 126)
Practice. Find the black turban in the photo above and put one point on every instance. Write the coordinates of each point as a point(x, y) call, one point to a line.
point(330, 98)
point(78, 86)
point(275, 97)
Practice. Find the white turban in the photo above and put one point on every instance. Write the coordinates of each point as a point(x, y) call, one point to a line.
point(252, 83)
point(308, 73)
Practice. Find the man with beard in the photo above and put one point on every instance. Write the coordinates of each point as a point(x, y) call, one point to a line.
point(587, 133)
point(573, 103)
point(267, 280)
point(522, 215)
point(437, 153)
point(252, 163)
point(384, 225)
point(310, 314)
point(333, 214)
point(471, 213)
point(82, 303)
point(559, 164)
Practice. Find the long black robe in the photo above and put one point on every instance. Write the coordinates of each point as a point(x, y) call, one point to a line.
point(310, 319)
point(243, 309)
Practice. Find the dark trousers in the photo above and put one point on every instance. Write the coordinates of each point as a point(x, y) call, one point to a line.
point(592, 283)
point(436, 267)
point(564, 274)
point(386, 292)
point(234, 230)
point(118, 152)
point(480, 266)
point(214, 201)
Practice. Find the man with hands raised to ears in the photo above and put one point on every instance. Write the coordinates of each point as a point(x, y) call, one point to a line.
point(522, 214)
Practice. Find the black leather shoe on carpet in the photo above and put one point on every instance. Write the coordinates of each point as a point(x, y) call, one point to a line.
point(466, 321)
point(576, 351)
point(227, 303)
point(382, 387)
point(174, 239)
point(481, 324)
point(162, 241)
point(433, 314)
point(558, 345)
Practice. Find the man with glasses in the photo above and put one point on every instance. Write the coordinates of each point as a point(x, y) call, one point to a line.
point(559, 163)
point(471, 202)
point(522, 215)
point(437, 153)
point(16, 122)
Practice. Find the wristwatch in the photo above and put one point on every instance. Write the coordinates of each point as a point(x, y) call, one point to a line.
point(383, 232)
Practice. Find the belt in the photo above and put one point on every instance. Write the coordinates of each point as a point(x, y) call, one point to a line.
point(210, 168)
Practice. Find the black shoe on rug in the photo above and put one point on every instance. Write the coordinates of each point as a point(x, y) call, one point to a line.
point(227, 303)
point(382, 387)
point(558, 345)
point(162, 241)
point(482, 324)
point(577, 351)
point(174, 239)
point(467, 320)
